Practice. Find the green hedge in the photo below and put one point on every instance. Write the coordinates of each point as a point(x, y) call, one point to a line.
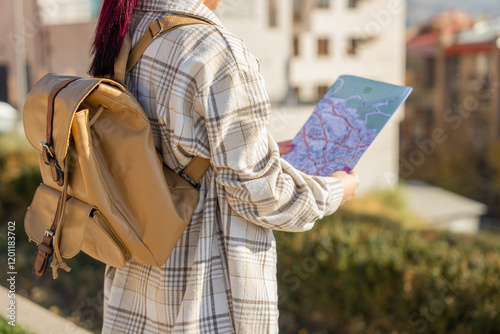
point(358, 273)
point(367, 269)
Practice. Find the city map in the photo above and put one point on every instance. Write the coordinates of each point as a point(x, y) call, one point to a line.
point(344, 124)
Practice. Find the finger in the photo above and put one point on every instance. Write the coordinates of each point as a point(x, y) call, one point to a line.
point(338, 174)
point(284, 143)
point(286, 149)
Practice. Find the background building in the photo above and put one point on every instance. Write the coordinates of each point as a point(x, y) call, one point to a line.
point(454, 65)
point(450, 136)
point(265, 26)
point(334, 37)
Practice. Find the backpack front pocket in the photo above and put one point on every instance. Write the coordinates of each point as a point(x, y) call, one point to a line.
point(82, 228)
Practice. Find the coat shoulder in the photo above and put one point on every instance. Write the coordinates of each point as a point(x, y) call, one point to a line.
point(216, 44)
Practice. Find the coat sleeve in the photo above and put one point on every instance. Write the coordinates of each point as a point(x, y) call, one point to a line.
point(259, 185)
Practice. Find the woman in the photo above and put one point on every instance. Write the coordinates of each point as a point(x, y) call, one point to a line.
point(202, 92)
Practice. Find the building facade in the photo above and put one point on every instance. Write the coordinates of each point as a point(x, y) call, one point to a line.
point(451, 134)
point(454, 65)
point(357, 37)
point(265, 26)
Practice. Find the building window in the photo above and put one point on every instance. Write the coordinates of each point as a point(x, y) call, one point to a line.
point(67, 12)
point(481, 134)
point(418, 127)
point(322, 89)
point(273, 13)
point(297, 11)
point(324, 4)
point(352, 46)
point(482, 65)
point(295, 93)
point(356, 44)
point(352, 3)
point(430, 71)
point(323, 47)
point(4, 88)
point(296, 46)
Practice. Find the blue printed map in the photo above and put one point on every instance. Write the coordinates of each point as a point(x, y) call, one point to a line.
point(344, 124)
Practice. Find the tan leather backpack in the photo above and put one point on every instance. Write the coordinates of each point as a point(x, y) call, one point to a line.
point(105, 188)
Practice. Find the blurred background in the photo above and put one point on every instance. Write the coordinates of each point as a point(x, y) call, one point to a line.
point(417, 252)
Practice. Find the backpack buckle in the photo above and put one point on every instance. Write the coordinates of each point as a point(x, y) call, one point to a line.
point(50, 160)
point(48, 154)
point(156, 28)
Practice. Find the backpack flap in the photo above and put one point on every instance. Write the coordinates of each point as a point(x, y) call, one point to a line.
point(66, 104)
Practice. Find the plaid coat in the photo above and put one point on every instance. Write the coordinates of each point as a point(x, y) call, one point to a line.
point(203, 94)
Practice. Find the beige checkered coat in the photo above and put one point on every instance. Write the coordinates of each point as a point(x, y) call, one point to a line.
point(203, 94)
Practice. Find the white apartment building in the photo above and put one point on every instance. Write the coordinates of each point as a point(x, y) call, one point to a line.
point(310, 45)
point(265, 26)
point(358, 37)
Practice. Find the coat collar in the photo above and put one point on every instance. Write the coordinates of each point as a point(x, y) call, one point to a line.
point(192, 8)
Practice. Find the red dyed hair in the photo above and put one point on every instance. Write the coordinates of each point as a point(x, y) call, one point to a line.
point(112, 26)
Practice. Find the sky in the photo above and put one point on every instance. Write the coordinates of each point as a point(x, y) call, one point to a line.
point(422, 10)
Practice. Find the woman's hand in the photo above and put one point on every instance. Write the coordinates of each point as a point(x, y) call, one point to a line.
point(285, 147)
point(350, 182)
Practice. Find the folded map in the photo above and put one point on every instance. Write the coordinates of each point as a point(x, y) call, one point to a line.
point(344, 124)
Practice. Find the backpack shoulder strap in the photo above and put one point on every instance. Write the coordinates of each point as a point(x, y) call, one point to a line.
point(157, 28)
point(198, 165)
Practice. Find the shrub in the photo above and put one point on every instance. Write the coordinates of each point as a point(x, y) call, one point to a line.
point(364, 273)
